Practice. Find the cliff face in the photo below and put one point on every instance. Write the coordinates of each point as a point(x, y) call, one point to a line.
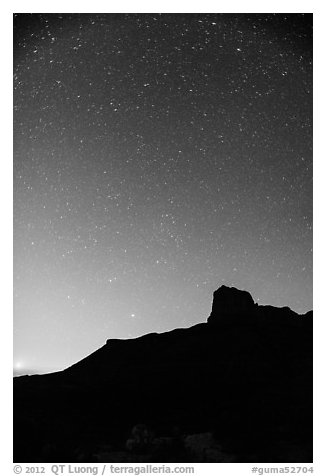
point(244, 378)
point(231, 301)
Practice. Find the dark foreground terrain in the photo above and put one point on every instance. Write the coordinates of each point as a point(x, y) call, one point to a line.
point(235, 389)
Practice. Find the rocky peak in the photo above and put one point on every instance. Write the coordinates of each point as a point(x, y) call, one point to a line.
point(231, 301)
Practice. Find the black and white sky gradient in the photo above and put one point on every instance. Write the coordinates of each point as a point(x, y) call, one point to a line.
point(156, 157)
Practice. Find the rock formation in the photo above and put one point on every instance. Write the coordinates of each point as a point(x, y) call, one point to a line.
point(231, 302)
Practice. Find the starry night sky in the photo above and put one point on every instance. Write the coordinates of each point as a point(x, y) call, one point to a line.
point(156, 157)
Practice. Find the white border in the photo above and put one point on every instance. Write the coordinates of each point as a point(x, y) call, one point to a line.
point(165, 6)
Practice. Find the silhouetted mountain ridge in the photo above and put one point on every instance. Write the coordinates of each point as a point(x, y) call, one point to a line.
point(244, 377)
